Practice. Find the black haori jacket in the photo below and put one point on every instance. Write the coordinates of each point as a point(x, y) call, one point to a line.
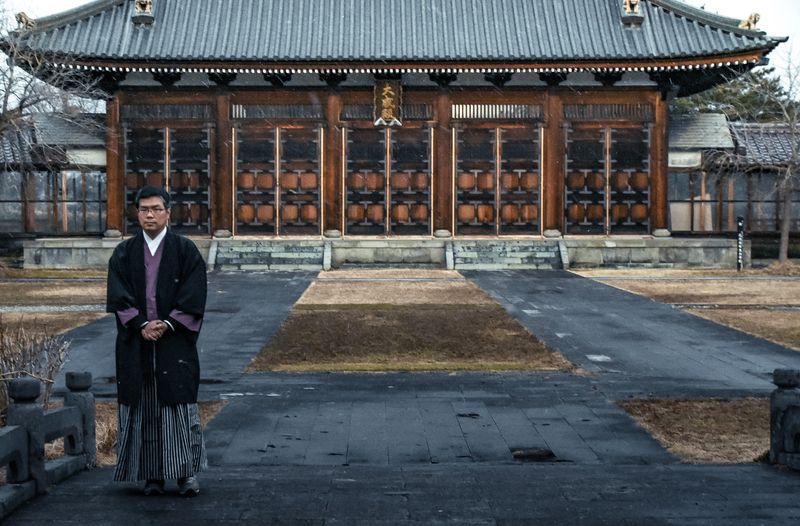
point(181, 285)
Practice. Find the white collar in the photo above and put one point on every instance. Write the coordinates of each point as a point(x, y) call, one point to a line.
point(152, 244)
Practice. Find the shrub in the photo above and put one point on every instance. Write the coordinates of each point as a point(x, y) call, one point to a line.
point(29, 352)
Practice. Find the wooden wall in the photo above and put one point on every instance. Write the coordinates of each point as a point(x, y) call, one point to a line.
point(551, 99)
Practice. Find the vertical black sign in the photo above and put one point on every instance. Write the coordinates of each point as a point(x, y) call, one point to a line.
point(739, 243)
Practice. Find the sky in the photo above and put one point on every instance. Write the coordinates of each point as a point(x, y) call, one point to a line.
point(778, 18)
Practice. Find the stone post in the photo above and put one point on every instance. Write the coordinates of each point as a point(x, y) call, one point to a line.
point(80, 397)
point(26, 412)
point(784, 447)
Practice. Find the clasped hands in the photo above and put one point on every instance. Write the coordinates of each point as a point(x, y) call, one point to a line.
point(154, 330)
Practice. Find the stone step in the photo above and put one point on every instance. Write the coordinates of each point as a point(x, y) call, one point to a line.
point(498, 254)
point(258, 255)
point(387, 253)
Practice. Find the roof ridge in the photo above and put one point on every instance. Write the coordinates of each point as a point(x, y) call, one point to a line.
point(76, 13)
point(677, 6)
point(702, 15)
point(762, 125)
point(684, 38)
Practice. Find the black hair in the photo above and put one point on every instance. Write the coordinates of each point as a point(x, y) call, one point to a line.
point(153, 191)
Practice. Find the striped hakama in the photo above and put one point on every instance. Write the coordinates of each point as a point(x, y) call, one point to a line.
point(158, 442)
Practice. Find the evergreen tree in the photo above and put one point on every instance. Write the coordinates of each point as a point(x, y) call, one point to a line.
point(758, 96)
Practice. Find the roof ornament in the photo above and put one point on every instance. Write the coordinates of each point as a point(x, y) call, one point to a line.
point(143, 12)
point(632, 15)
point(750, 22)
point(24, 21)
point(631, 7)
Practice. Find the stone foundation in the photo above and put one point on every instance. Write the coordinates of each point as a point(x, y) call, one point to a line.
point(262, 254)
point(666, 252)
point(78, 253)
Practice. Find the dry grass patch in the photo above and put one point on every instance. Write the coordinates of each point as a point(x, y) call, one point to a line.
point(707, 431)
point(394, 293)
point(790, 268)
point(732, 291)
point(778, 326)
point(106, 433)
point(390, 273)
point(52, 293)
point(775, 269)
point(28, 273)
point(52, 323)
point(401, 319)
point(392, 337)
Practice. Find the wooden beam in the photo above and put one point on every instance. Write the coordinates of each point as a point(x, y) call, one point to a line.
point(115, 167)
point(152, 95)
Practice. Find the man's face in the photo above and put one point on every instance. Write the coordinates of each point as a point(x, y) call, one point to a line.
point(153, 215)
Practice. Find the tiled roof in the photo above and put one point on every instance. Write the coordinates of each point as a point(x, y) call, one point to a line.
point(703, 131)
point(43, 138)
point(766, 144)
point(274, 31)
point(15, 148)
point(61, 130)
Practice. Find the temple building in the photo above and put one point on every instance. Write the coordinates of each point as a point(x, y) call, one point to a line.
point(396, 119)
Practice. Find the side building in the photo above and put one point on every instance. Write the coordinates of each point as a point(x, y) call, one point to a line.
point(52, 176)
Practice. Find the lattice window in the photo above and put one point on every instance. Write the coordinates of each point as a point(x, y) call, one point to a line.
point(277, 111)
point(366, 112)
point(601, 112)
point(530, 112)
point(607, 181)
point(388, 181)
point(278, 186)
point(141, 112)
point(497, 180)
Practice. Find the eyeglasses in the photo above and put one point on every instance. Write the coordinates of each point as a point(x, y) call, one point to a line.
point(144, 210)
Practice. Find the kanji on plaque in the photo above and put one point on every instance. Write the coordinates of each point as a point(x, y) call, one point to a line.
point(388, 96)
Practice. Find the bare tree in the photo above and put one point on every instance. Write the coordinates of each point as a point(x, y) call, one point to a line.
point(29, 84)
point(790, 175)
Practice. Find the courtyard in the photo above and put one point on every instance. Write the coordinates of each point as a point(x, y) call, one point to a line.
point(402, 443)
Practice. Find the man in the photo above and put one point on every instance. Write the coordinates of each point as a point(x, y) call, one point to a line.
point(157, 291)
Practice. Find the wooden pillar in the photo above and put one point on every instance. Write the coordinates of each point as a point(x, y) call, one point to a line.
point(115, 167)
point(332, 176)
point(29, 198)
point(222, 167)
point(553, 165)
point(659, 166)
point(443, 165)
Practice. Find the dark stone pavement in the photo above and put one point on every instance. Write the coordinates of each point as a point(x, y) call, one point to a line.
point(436, 448)
point(634, 346)
point(463, 494)
point(432, 418)
point(242, 313)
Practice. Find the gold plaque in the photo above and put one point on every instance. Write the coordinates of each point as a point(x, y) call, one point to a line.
point(388, 102)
